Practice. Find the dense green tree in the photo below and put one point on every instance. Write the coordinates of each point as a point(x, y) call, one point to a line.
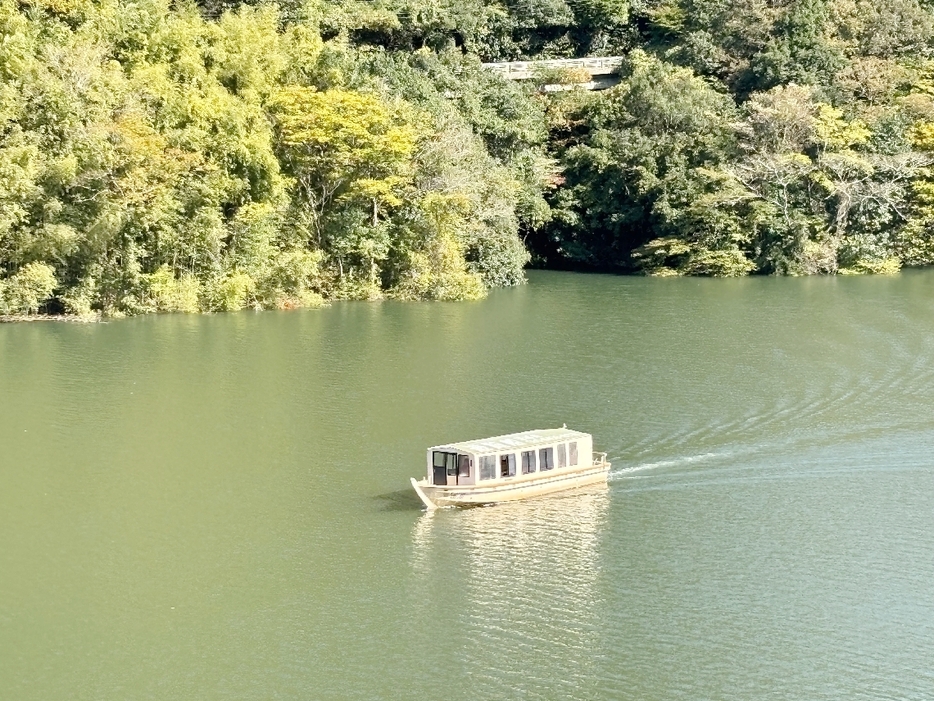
point(155, 160)
point(654, 139)
point(157, 156)
point(802, 49)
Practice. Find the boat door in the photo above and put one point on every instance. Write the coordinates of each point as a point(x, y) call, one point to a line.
point(444, 466)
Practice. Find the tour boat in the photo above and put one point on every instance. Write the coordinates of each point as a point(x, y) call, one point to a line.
point(510, 467)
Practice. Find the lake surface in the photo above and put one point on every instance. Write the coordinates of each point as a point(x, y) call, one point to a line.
point(216, 507)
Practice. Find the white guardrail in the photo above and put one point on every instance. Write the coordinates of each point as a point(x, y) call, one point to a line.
point(523, 70)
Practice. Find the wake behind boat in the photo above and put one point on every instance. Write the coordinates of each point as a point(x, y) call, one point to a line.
point(510, 467)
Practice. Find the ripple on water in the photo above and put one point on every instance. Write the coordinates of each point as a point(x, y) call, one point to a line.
point(192, 498)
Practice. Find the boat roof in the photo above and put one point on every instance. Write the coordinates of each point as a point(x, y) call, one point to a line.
point(513, 441)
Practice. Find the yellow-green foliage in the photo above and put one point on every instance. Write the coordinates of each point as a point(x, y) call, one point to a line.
point(439, 270)
point(672, 256)
point(562, 76)
point(833, 132)
point(340, 143)
point(885, 266)
point(25, 290)
point(231, 292)
point(169, 293)
point(155, 160)
point(659, 256)
point(159, 156)
point(922, 136)
point(718, 263)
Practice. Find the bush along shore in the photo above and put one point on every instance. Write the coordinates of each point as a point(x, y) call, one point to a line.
point(174, 156)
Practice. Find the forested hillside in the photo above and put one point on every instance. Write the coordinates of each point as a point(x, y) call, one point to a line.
point(159, 156)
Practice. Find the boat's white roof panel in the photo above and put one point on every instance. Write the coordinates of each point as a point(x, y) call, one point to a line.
point(513, 441)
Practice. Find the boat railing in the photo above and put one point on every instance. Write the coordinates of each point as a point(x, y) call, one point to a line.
point(599, 459)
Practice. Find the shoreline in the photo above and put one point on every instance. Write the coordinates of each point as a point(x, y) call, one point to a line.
point(98, 317)
point(70, 318)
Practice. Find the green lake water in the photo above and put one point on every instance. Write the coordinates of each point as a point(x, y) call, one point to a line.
point(216, 507)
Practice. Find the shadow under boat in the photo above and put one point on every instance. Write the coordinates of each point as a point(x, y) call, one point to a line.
point(399, 500)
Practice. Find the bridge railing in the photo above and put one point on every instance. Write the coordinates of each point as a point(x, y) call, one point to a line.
point(521, 70)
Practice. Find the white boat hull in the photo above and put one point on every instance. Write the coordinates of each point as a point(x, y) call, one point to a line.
point(510, 488)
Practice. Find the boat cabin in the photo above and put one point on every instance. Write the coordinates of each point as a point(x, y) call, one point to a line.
point(511, 457)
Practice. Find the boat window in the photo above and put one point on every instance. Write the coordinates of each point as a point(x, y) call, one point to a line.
point(438, 459)
point(562, 455)
point(572, 453)
point(451, 463)
point(487, 467)
point(546, 458)
point(463, 466)
point(507, 465)
point(528, 462)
